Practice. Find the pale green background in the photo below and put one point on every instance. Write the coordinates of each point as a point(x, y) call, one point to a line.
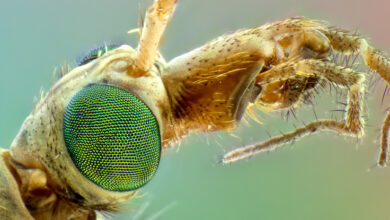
point(322, 177)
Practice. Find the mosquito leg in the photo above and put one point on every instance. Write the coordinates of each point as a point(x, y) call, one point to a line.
point(345, 42)
point(383, 151)
point(272, 143)
point(353, 125)
point(311, 67)
point(284, 85)
point(330, 71)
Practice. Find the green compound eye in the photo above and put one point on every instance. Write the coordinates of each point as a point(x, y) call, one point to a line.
point(112, 137)
point(96, 53)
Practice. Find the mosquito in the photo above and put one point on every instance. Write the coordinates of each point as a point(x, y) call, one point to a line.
point(98, 135)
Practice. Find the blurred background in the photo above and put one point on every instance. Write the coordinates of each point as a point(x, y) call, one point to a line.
point(323, 176)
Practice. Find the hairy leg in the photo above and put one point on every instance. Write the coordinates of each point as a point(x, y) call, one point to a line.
point(346, 43)
point(284, 85)
point(310, 67)
point(383, 150)
point(353, 123)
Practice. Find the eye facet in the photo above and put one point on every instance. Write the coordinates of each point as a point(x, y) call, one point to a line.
point(112, 137)
point(96, 53)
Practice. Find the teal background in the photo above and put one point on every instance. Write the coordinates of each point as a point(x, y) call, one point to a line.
point(324, 176)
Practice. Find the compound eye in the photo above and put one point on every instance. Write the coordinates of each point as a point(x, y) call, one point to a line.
point(112, 137)
point(96, 53)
